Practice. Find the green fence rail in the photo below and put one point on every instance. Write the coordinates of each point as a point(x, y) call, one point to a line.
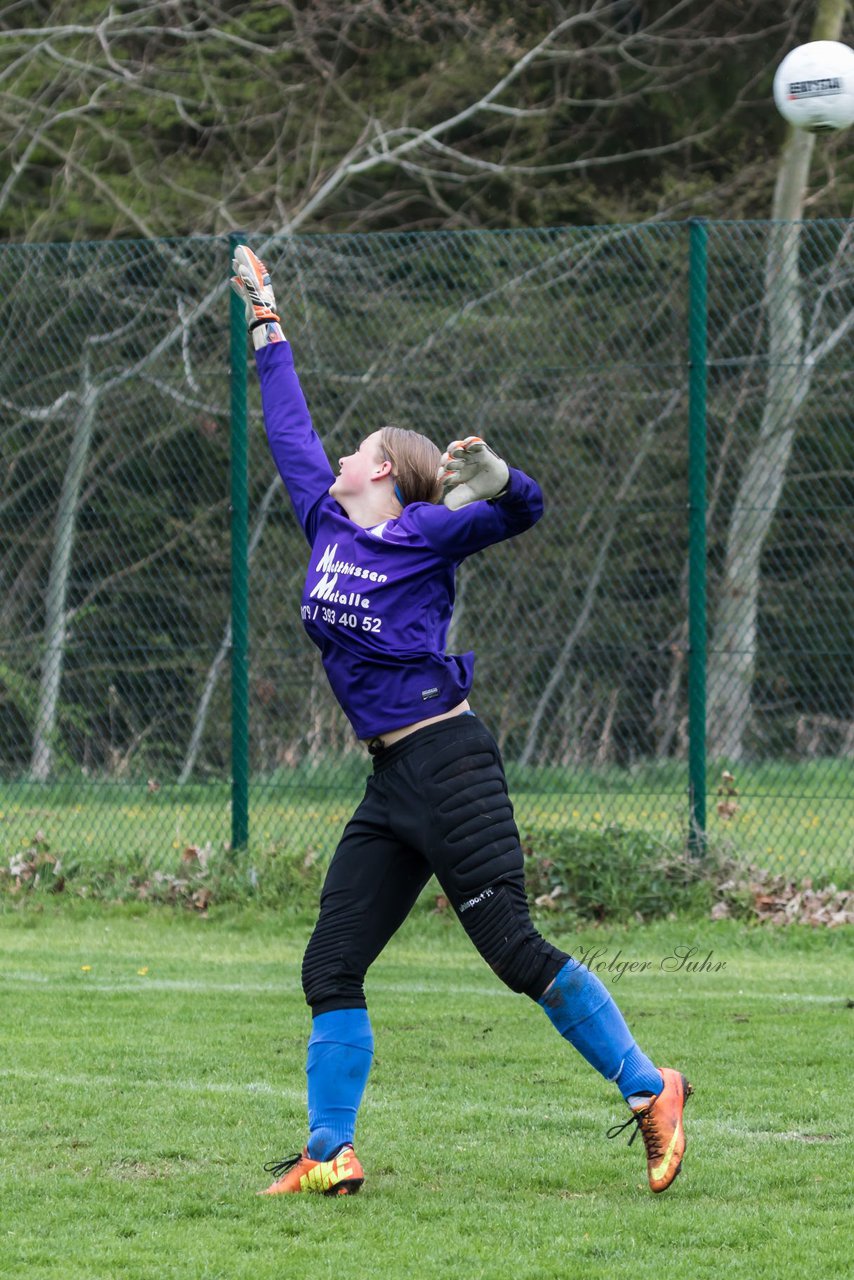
point(669, 650)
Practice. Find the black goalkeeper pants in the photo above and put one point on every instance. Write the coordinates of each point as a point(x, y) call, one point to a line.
point(436, 803)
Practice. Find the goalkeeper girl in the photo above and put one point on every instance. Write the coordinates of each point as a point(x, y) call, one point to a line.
point(377, 603)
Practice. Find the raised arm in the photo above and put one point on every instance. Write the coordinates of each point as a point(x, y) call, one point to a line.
point(480, 523)
point(294, 444)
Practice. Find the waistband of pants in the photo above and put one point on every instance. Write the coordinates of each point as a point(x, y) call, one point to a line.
point(383, 757)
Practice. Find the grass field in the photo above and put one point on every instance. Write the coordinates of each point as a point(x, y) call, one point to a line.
point(153, 1060)
point(793, 818)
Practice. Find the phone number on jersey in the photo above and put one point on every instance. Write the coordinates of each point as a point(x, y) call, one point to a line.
point(357, 622)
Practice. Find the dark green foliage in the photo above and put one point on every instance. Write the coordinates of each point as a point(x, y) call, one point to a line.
point(282, 877)
point(214, 116)
point(613, 874)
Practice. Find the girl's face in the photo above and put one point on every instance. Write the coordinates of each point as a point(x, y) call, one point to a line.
point(357, 470)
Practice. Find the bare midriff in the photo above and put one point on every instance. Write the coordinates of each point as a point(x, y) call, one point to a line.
point(394, 735)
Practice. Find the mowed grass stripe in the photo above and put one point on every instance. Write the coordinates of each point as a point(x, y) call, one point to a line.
point(430, 990)
point(133, 1131)
point(53, 1080)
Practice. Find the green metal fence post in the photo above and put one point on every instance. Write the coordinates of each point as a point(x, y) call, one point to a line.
point(697, 535)
point(239, 577)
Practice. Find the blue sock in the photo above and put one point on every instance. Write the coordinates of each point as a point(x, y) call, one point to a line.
point(340, 1050)
point(638, 1076)
point(583, 1011)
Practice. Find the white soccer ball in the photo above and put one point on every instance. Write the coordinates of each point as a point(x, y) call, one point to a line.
point(814, 86)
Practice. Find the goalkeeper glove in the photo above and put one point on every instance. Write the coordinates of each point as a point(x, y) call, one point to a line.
point(470, 470)
point(251, 283)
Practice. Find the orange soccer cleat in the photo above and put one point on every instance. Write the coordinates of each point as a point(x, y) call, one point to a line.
point(340, 1176)
point(660, 1124)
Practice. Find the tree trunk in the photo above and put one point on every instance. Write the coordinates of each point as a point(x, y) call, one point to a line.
point(56, 618)
point(733, 651)
point(732, 659)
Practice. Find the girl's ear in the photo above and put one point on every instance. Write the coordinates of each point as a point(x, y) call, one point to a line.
point(383, 469)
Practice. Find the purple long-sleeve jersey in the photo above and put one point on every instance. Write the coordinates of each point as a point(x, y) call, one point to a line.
point(377, 602)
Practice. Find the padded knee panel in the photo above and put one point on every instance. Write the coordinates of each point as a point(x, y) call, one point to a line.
point(501, 929)
point(474, 819)
point(333, 973)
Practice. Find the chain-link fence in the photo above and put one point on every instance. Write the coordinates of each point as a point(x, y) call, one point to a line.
point(569, 350)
